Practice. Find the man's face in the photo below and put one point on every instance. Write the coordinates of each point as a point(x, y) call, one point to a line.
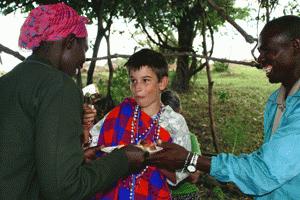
point(277, 56)
point(74, 55)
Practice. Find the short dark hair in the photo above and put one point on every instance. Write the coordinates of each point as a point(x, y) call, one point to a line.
point(170, 98)
point(288, 26)
point(147, 57)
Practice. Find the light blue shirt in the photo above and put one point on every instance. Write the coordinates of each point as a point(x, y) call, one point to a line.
point(273, 171)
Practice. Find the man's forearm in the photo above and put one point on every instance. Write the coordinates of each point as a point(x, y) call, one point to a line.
point(203, 164)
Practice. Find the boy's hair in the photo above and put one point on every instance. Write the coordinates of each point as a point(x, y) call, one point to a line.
point(170, 98)
point(147, 57)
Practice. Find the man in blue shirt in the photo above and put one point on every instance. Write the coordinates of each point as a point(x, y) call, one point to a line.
point(272, 171)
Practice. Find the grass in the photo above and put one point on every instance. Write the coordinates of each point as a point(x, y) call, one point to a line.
point(239, 98)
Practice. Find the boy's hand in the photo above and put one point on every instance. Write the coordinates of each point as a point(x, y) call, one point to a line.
point(88, 119)
point(89, 115)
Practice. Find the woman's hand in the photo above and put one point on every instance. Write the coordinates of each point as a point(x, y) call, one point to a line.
point(90, 153)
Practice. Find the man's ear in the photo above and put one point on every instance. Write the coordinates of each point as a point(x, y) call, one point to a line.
point(163, 83)
point(69, 41)
point(296, 44)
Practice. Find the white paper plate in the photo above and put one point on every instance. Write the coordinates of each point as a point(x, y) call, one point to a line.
point(157, 148)
point(111, 148)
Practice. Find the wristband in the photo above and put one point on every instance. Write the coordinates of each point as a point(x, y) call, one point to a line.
point(186, 161)
point(193, 163)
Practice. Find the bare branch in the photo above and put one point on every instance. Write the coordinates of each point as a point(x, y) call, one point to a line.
point(11, 52)
point(210, 88)
point(149, 36)
point(221, 12)
point(162, 44)
point(251, 63)
point(211, 32)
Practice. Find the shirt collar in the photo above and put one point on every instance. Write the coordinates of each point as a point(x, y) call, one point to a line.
point(293, 92)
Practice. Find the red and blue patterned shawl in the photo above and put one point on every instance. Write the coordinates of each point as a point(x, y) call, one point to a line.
point(116, 130)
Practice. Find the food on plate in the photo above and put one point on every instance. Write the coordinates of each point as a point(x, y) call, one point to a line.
point(145, 145)
point(148, 146)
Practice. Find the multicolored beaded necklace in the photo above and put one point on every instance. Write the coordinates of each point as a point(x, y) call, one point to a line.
point(136, 137)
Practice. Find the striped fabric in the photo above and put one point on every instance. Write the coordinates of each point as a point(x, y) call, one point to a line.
point(149, 184)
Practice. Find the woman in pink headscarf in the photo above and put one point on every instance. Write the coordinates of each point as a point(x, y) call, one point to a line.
point(40, 116)
point(49, 25)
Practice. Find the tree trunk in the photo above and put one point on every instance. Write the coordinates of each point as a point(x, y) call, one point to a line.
point(186, 37)
point(109, 101)
point(98, 8)
point(91, 69)
point(181, 79)
point(267, 11)
point(210, 109)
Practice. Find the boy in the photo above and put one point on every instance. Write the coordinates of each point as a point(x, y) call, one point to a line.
point(143, 118)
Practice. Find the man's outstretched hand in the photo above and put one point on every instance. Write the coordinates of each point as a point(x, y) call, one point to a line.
point(136, 157)
point(172, 157)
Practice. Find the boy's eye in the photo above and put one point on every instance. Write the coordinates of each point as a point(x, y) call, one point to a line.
point(132, 81)
point(146, 80)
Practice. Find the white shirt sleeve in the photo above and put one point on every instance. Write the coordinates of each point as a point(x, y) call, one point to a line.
point(176, 125)
point(95, 132)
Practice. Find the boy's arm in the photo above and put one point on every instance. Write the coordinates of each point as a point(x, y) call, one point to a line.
point(177, 127)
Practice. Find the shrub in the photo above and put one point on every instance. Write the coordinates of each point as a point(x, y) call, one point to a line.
point(223, 96)
point(120, 85)
point(221, 67)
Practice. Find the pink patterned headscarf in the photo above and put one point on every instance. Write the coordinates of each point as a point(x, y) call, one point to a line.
point(50, 23)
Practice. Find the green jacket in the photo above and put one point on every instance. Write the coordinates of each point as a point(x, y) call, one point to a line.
point(40, 128)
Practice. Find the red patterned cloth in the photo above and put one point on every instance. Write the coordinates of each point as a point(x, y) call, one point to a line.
point(50, 23)
point(116, 130)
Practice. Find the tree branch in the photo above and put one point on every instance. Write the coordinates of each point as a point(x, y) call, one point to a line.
point(251, 63)
point(221, 12)
point(11, 52)
point(162, 44)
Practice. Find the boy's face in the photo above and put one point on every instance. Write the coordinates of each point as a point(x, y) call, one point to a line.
point(146, 88)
